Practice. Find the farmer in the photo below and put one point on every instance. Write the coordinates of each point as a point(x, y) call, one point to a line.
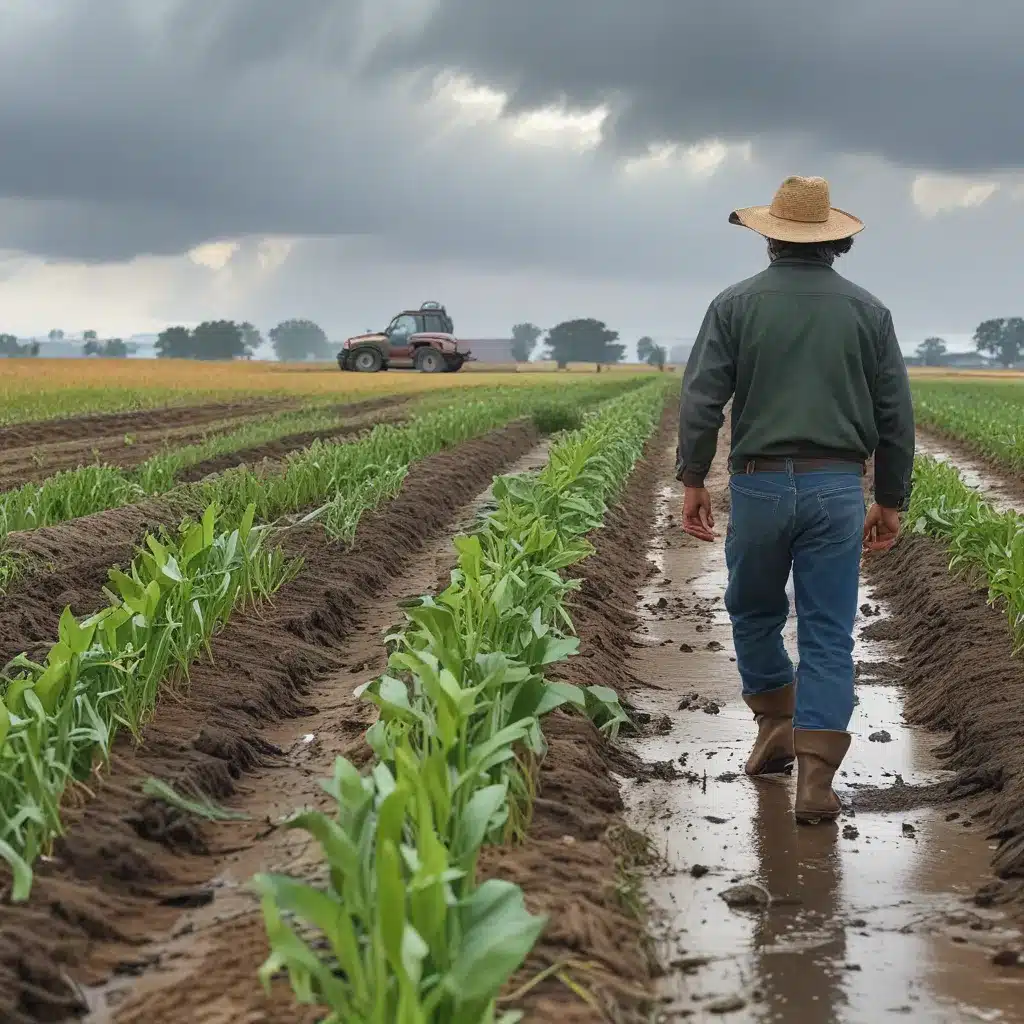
point(818, 384)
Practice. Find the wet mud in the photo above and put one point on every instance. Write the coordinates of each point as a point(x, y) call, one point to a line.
point(127, 865)
point(877, 916)
point(1003, 489)
point(127, 440)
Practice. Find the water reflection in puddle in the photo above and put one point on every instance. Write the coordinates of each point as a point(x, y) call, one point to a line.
point(849, 923)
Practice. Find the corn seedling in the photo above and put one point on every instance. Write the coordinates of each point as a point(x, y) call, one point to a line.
point(105, 672)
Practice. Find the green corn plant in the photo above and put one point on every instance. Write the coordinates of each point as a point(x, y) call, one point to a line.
point(500, 624)
point(316, 476)
point(404, 945)
point(981, 539)
point(402, 932)
point(104, 673)
point(986, 415)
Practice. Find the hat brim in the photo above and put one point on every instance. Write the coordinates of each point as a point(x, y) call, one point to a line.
point(839, 224)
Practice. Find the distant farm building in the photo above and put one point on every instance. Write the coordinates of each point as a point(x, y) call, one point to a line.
point(678, 354)
point(490, 350)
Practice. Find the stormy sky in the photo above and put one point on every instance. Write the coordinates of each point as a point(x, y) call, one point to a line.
point(175, 160)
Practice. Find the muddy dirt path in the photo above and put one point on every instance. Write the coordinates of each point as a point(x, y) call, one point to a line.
point(869, 919)
point(129, 440)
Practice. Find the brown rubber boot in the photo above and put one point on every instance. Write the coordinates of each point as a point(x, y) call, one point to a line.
point(819, 753)
point(773, 748)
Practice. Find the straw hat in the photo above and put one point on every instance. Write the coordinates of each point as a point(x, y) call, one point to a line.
point(800, 212)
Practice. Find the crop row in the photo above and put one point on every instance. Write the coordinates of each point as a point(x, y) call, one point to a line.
point(71, 494)
point(981, 539)
point(987, 416)
point(59, 715)
point(403, 931)
point(327, 472)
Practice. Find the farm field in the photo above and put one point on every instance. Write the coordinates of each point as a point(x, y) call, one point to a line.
point(435, 718)
point(39, 389)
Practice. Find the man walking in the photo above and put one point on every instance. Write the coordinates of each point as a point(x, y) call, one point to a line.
point(818, 385)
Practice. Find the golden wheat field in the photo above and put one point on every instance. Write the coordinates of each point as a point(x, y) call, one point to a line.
point(32, 389)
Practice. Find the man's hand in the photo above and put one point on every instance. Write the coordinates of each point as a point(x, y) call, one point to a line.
point(881, 528)
point(698, 519)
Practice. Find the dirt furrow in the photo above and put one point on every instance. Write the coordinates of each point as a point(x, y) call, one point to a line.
point(961, 677)
point(67, 564)
point(282, 446)
point(128, 866)
point(98, 425)
point(36, 462)
point(203, 966)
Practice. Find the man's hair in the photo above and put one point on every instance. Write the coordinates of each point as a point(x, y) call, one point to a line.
point(826, 252)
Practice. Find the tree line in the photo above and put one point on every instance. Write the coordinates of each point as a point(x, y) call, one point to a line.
point(573, 341)
point(292, 340)
point(1001, 339)
point(581, 341)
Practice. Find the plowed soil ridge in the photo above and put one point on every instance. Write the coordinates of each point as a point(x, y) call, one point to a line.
point(118, 874)
point(35, 461)
point(96, 425)
point(228, 737)
point(282, 446)
point(961, 677)
point(67, 564)
point(572, 865)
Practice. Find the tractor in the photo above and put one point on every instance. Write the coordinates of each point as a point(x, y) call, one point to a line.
point(420, 339)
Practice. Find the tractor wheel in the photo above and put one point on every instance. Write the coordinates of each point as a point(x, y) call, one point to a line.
point(429, 360)
point(453, 364)
point(366, 360)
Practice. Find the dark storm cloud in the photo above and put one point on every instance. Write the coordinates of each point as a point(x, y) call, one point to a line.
point(934, 83)
point(135, 127)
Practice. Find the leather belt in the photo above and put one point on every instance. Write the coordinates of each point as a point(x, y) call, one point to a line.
point(802, 465)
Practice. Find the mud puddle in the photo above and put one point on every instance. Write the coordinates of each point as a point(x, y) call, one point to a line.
point(869, 919)
point(976, 473)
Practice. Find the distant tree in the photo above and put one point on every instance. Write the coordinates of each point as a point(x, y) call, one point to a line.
point(218, 339)
point(932, 352)
point(295, 340)
point(12, 349)
point(92, 347)
point(175, 343)
point(115, 348)
point(644, 347)
point(251, 336)
point(524, 341)
point(583, 341)
point(658, 356)
point(1003, 339)
point(88, 336)
point(56, 335)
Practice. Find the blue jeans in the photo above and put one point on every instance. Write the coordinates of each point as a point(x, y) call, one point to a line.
point(814, 524)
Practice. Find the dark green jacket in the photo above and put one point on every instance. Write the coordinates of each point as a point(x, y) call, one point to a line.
point(813, 368)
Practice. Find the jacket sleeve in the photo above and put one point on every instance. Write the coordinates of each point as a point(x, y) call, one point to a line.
point(708, 384)
point(894, 420)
